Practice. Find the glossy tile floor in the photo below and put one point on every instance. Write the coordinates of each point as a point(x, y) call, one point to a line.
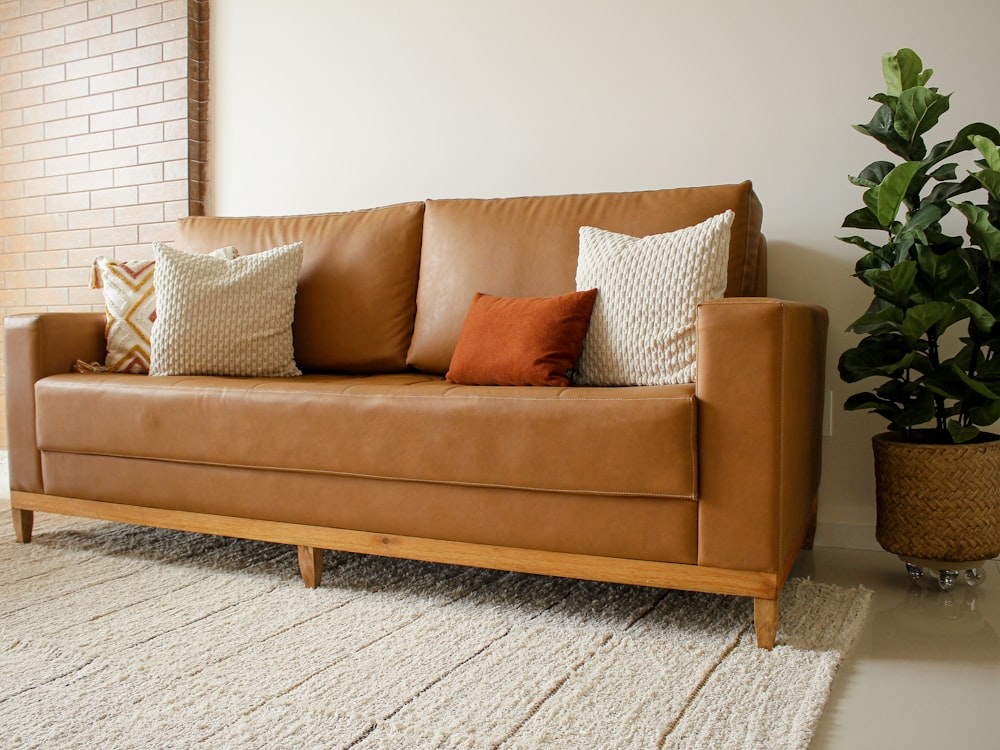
point(924, 673)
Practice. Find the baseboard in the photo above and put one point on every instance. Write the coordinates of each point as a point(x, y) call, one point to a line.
point(846, 535)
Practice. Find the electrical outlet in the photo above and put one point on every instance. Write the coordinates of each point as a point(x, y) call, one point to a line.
point(828, 415)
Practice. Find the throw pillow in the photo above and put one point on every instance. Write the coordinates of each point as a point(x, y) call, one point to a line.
point(643, 326)
point(130, 309)
point(528, 341)
point(219, 317)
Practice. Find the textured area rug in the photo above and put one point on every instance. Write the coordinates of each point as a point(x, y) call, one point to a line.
point(114, 636)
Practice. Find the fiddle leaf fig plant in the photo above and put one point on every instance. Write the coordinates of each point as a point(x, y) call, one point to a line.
point(931, 333)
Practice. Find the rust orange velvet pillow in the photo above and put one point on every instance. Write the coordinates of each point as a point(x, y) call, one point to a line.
point(521, 341)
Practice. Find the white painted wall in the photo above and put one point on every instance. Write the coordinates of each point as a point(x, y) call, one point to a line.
point(324, 105)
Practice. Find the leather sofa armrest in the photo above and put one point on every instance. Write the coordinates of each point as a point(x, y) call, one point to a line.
point(760, 412)
point(36, 346)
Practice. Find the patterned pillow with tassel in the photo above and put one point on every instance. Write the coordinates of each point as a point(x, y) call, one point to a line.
point(130, 308)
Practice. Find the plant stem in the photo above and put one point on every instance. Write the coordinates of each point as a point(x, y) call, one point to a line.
point(978, 338)
point(933, 354)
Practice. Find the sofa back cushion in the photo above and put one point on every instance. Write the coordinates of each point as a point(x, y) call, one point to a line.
point(527, 247)
point(355, 303)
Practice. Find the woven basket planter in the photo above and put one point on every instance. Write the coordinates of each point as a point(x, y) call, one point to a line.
point(937, 502)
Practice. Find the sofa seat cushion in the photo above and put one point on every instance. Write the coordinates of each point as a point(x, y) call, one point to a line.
point(411, 427)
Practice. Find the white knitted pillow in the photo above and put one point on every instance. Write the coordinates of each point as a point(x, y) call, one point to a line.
point(642, 331)
point(225, 317)
point(130, 308)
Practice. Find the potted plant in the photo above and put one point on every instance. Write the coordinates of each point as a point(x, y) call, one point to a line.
point(931, 335)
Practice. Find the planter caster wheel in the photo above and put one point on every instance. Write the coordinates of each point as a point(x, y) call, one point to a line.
point(945, 574)
point(947, 579)
point(974, 576)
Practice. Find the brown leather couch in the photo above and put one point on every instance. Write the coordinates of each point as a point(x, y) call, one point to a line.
point(708, 486)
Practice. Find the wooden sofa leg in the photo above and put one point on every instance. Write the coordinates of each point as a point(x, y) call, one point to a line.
point(24, 521)
point(765, 621)
point(311, 565)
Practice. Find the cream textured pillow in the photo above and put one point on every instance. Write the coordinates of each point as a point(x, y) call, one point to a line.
point(225, 317)
point(642, 331)
point(130, 308)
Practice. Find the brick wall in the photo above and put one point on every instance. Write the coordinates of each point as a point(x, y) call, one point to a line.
point(102, 139)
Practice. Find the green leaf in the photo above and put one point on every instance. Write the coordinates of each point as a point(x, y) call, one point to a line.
point(893, 284)
point(990, 368)
point(960, 142)
point(893, 189)
point(947, 271)
point(947, 190)
point(876, 355)
point(863, 218)
point(897, 391)
point(919, 110)
point(943, 382)
point(870, 199)
point(870, 261)
point(903, 71)
point(945, 172)
point(902, 247)
point(977, 265)
point(946, 277)
point(943, 243)
point(963, 359)
point(988, 149)
point(922, 218)
point(889, 101)
point(921, 318)
point(920, 362)
point(986, 414)
point(866, 401)
point(887, 320)
point(892, 74)
point(873, 174)
point(982, 317)
point(981, 230)
point(861, 242)
point(975, 385)
point(989, 179)
point(918, 411)
point(881, 129)
point(959, 433)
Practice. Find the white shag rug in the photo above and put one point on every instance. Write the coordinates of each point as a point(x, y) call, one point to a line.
point(114, 636)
